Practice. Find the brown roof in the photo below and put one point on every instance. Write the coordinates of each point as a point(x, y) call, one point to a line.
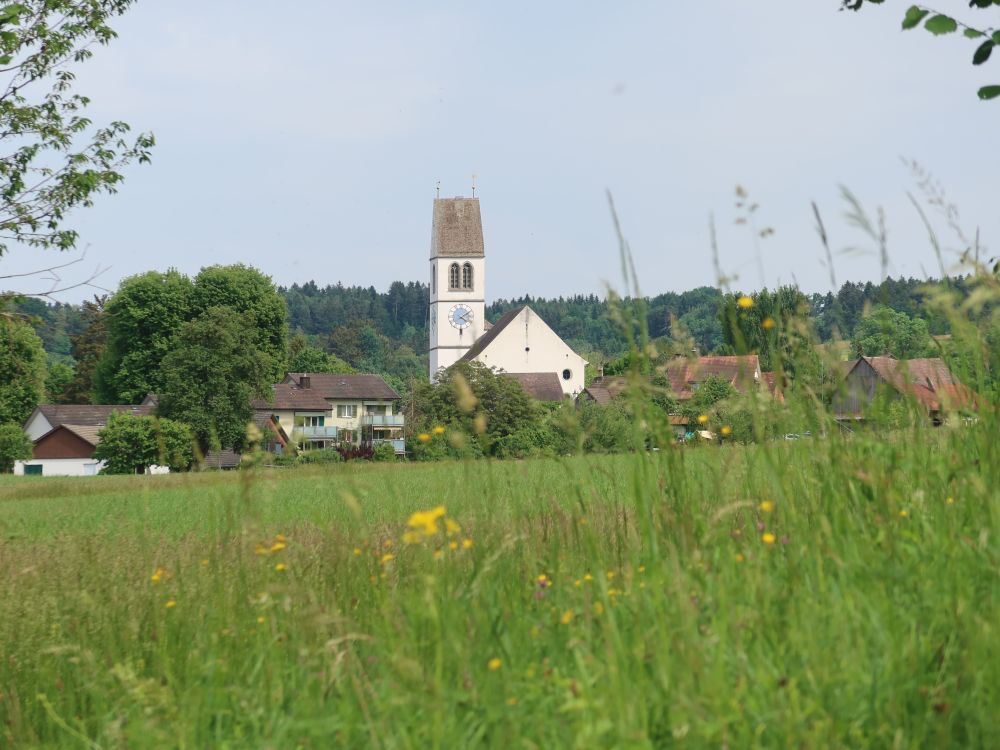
point(770, 379)
point(596, 393)
point(487, 338)
point(324, 387)
point(224, 459)
point(604, 388)
point(541, 386)
point(929, 380)
point(737, 371)
point(267, 424)
point(89, 414)
point(457, 229)
point(85, 432)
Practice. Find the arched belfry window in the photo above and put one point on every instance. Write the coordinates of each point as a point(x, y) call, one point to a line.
point(453, 276)
point(467, 276)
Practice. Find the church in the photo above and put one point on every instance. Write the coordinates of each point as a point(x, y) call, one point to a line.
point(520, 344)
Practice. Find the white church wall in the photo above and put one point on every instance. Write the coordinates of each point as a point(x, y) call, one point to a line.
point(527, 344)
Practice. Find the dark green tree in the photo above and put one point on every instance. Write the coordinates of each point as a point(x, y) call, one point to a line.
point(253, 296)
point(56, 160)
point(212, 376)
point(885, 331)
point(130, 444)
point(58, 379)
point(142, 319)
point(87, 347)
point(22, 370)
point(303, 357)
point(15, 445)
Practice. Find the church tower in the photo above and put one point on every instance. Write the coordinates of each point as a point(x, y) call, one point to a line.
point(458, 266)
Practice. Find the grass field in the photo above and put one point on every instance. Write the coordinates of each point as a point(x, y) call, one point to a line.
point(839, 592)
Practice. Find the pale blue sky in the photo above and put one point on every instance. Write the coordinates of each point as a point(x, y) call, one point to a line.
point(306, 139)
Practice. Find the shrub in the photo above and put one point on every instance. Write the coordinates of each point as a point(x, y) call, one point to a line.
point(384, 452)
point(324, 456)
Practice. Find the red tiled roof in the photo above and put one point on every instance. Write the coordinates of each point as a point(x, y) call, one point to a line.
point(89, 415)
point(324, 387)
point(928, 380)
point(737, 371)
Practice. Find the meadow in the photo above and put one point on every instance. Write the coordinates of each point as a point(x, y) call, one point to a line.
point(835, 592)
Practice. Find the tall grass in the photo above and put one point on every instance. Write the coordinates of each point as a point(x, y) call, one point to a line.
point(840, 591)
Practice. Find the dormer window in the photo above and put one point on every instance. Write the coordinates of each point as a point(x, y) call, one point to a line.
point(467, 276)
point(453, 274)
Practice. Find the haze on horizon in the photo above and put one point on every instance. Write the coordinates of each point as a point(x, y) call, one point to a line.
point(308, 144)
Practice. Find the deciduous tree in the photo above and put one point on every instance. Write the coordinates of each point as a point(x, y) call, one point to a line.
point(22, 370)
point(15, 445)
point(212, 376)
point(130, 444)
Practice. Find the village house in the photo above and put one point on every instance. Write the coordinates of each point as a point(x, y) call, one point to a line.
point(64, 437)
point(929, 381)
point(320, 410)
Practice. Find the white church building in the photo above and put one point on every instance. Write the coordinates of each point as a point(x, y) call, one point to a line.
point(520, 343)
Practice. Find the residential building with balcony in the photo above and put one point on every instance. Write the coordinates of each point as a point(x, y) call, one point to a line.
point(322, 410)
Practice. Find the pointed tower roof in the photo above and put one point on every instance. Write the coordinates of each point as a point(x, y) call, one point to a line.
point(458, 228)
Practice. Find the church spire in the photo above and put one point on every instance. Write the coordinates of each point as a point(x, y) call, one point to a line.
point(458, 228)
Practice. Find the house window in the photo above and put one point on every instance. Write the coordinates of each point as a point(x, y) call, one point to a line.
point(453, 276)
point(309, 420)
point(467, 276)
point(567, 374)
point(348, 411)
point(375, 411)
point(347, 436)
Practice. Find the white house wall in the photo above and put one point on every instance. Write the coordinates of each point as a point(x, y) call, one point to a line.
point(527, 344)
point(37, 425)
point(62, 467)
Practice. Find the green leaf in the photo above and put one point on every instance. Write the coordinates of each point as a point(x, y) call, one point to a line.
point(983, 53)
point(973, 34)
point(939, 25)
point(913, 17)
point(989, 92)
point(996, 37)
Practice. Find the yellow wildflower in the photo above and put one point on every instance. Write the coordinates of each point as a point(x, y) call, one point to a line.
point(388, 557)
point(494, 664)
point(260, 550)
point(261, 620)
point(904, 513)
point(279, 537)
point(466, 544)
point(357, 551)
point(588, 577)
point(767, 506)
point(387, 543)
point(204, 563)
point(642, 568)
point(598, 608)
point(280, 567)
point(438, 554)
point(542, 578)
point(767, 537)
point(512, 701)
point(170, 604)
point(439, 430)
point(451, 527)
point(567, 617)
point(611, 575)
point(744, 302)
point(726, 431)
point(426, 521)
point(411, 537)
point(423, 437)
point(277, 546)
point(950, 501)
point(767, 324)
point(702, 419)
point(577, 583)
point(739, 557)
point(642, 584)
point(157, 575)
point(453, 545)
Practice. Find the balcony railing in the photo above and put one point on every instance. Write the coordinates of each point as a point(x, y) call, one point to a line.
point(383, 420)
point(315, 432)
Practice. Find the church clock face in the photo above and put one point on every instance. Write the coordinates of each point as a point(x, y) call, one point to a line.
point(460, 316)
